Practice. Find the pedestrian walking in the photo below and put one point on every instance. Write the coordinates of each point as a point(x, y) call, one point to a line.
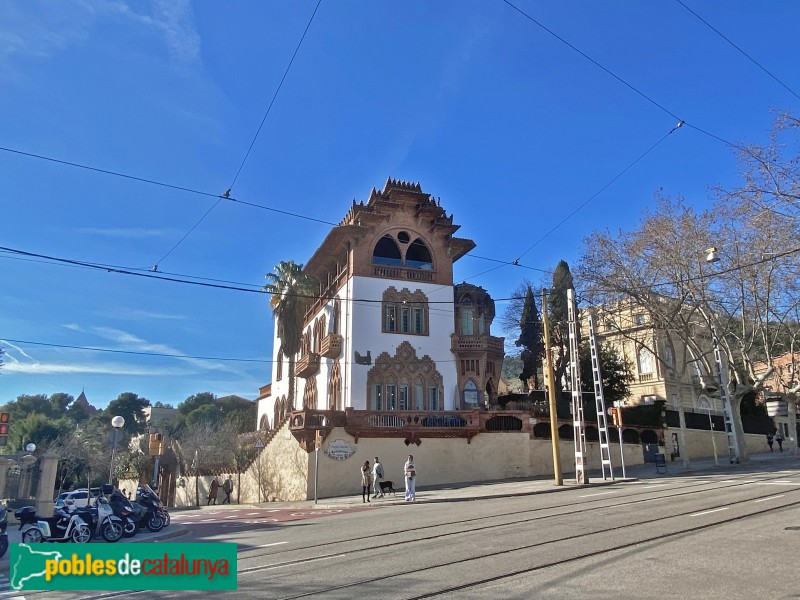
point(212, 491)
point(227, 487)
point(779, 439)
point(366, 481)
point(410, 470)
point(770, 439)
point(377, 476)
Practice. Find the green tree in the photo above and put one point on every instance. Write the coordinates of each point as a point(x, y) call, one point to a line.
point(37, 428)
point(616, 371)
point(530, 338)
point(195, 401)
point(558, 322)
point(131, 407)
point(292, 293)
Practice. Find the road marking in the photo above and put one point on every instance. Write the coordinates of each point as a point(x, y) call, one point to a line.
point(653, 485)
point(272, 544)
point(769, 498)
point(777, 483)
point(232, 517)
point(255, 513)
point(598, 494)
point(207, 520)
point(708, 512)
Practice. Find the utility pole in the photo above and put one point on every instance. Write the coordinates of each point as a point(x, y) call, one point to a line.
point(551, 393)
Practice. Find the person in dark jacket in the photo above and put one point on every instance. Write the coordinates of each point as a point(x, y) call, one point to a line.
point(212, 491)
point(366, 481)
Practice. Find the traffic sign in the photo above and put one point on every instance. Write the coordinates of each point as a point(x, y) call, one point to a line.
point(259, 443)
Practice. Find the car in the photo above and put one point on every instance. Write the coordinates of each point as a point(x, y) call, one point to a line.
point(75, 498)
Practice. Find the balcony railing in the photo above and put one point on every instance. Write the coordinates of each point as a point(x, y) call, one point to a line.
point(476, 343)
point(388, 272)
point(645, 377)
point(307, 365)
point(331, 346)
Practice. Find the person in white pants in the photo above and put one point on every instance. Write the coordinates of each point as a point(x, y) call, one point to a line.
point(411, 479)
point(377, 475)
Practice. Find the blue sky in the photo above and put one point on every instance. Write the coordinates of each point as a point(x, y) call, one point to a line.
point(509, 126)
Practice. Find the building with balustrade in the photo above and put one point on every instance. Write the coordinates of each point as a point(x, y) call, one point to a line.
point(389, 330)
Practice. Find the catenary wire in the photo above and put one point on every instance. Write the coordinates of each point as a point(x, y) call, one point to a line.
point(250, 147)
point(262, 290)
point(745, 54)
point(160, 354)
point(162, 184)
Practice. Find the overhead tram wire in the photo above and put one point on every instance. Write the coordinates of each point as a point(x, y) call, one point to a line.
point(598, 192)
point(157, 354)
point(227, 194)
point(745, 54)
point(261, 290)
point(163, 184)
point(626, 83)
point(134, 352)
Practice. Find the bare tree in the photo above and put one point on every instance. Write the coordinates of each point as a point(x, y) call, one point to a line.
point(749, 298)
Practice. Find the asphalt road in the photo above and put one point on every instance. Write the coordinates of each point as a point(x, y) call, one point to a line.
point(722, 535)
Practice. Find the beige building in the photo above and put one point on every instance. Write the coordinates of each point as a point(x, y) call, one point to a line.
point(664, 367)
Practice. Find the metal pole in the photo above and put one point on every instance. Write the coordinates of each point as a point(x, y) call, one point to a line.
point(113, 452)
point(551, 380)
point(713, 440)
point(154, 484)
point(316, 472)
point(619, 431)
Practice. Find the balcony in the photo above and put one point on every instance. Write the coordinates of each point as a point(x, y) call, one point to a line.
point(645, 377)
point(307, 365)
point(331, 345)
point(476, 343)
point(392, 272)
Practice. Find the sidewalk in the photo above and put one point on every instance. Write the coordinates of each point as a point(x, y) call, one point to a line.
point(465, 492)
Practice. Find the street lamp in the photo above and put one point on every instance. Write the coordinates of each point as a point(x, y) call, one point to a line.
point(117, 423)
point(30, 448)
point(727, 410)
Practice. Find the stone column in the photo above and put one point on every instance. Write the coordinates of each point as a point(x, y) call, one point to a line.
point(48, 465)
point(25, 464)
point(5, 465)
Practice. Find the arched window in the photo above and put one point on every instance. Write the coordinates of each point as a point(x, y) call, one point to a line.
point(387, 252)
point(337, 315)
point(335, 388)
point(264, 423)
point(405, 312)
point(467, 316)
point(279, 365)
point(404, 381)
point(470, 393)
point(418, 256)
point(310, 393)
point(647, 363)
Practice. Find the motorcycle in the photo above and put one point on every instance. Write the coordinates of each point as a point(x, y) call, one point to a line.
point(157, 517)
point(3, 534)
point(61, 527)
point(102, 520)
point(132, 514)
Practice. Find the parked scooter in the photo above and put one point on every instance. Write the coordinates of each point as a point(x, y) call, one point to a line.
point(157, 517)
point(61, 527)
point(131, 515)
point(101, 519)
point(3, 534)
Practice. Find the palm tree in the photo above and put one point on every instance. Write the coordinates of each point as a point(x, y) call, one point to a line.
point(292, 293)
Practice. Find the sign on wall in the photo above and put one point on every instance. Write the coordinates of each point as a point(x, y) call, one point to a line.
point(339, 450)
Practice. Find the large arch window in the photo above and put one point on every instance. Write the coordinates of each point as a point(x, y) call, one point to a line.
point(279, 365)
point(387, 252)
point(470, 393)
point(404, 382)
point(418, 256)
point(467, 316)
point(414, 255)
point(335, 388)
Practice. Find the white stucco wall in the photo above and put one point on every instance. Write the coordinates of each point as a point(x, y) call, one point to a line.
point(361, 326)
point(363, 332)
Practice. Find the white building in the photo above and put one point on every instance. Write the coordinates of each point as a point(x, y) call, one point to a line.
point(389, 330)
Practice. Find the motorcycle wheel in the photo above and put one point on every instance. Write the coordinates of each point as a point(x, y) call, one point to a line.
point(165, 516)
point(130, 528)
point(33, 536)
point(154, 522)
point(112, 531)
point(81, 534)
point(3, 545)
